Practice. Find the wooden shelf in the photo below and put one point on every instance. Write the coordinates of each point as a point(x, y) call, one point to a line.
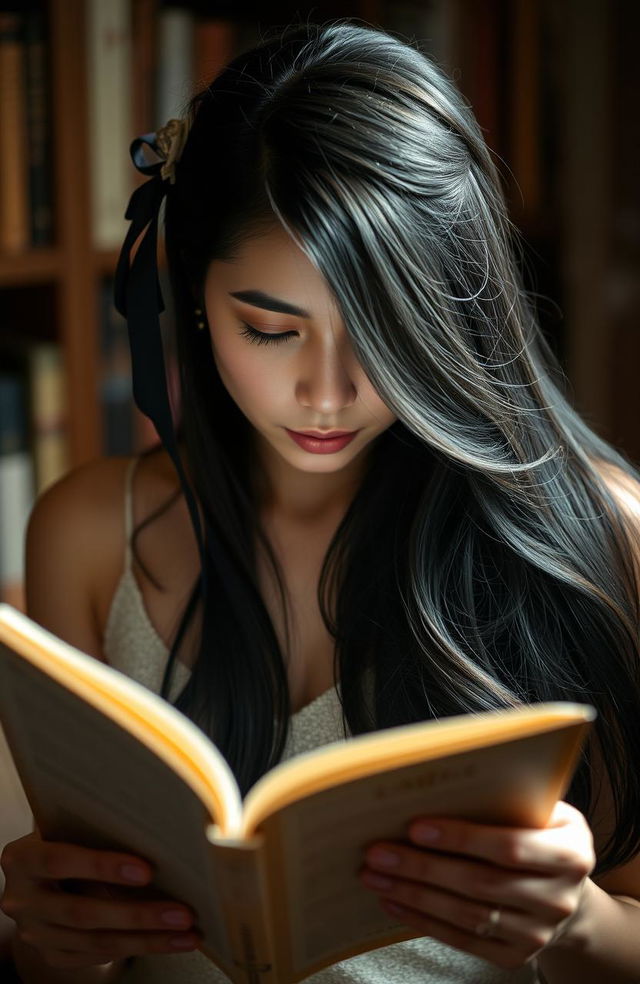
point(35, 266)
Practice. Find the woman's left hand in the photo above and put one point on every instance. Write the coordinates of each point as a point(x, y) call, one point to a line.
point(500, 893)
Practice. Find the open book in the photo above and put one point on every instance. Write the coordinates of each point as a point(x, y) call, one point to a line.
point(107, 763)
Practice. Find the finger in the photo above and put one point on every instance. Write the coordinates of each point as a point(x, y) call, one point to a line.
point(105, 945)
point(488, 883)
point(462, 912)
point(58, 860)
point(87, 913)
point(494, 950)
point(547, 849)
point(563, 813)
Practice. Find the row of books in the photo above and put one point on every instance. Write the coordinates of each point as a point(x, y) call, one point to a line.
point(160, 55)
point(132, 48)
point(144, 61)
point(133, 41)
point(34, 450)
point(26, 194)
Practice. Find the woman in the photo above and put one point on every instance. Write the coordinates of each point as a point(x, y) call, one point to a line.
point(341, 260)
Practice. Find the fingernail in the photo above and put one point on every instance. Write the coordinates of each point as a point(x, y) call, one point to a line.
point(382, 858)
point(133, 873)
point(425, 834)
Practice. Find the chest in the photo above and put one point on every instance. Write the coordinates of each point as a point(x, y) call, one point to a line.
point(170, 551)
point(310, 654)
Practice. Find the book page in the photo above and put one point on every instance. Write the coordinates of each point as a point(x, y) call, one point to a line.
point(321, 912)
point(77, 763)
point(393, 748)
point(16, 819)
point(136, 709)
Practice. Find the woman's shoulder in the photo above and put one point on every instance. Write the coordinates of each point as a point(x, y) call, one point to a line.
point(70, 543)
point(90, 498)
point(76, 540)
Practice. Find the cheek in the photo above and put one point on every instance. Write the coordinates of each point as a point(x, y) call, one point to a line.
point(248, 380)
point(377, 406)
point(231, 365)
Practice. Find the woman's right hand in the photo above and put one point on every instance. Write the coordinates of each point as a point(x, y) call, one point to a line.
point(81, 930)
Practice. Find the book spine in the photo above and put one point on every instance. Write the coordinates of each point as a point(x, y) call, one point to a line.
point(144, 65)
point(38, 128)
point(49, 412)
point(241, 878)
point(109, 71)
point(215, 45)
point(176, 31)
point(16, 487)
point(14, 205)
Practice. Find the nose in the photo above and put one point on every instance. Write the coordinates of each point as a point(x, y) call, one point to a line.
point(327, 377)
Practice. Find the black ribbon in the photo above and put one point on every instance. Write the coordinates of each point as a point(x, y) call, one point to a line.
point(138, 298)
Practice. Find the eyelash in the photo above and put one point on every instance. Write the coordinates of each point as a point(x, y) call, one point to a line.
point(261, 338)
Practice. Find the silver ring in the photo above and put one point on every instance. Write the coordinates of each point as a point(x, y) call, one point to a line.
point(487, 928)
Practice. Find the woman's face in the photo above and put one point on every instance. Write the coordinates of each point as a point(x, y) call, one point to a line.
point(309, 380)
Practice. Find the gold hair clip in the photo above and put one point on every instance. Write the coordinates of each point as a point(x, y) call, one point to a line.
point(170, 141)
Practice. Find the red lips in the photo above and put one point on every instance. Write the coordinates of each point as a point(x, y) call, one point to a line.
point(324, 435)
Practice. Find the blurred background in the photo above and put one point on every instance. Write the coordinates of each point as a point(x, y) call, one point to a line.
point(553, 84)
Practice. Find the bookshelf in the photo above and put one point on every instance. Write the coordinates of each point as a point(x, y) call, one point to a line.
point(517, 63)
point(63, 265)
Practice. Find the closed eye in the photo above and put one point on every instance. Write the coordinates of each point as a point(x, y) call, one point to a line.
point(262, 338)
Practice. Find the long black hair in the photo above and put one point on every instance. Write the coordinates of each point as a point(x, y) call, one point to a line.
point(501, 571)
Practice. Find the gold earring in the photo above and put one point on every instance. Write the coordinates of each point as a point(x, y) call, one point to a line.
point(200, 324)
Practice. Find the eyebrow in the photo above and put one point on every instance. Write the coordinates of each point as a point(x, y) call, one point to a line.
point(259, 299)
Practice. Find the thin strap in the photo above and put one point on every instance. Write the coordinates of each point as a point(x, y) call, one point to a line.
point(128, 511)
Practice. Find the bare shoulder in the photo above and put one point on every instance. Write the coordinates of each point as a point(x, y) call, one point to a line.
point(72, 536)
point(75, 545)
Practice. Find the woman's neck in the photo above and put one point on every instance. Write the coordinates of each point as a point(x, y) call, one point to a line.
point(298, 498)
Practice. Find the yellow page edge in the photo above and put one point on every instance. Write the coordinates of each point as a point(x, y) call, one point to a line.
point(184, 748)
point(364, 755)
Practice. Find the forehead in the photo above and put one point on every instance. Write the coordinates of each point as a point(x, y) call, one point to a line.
point(272, 262)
